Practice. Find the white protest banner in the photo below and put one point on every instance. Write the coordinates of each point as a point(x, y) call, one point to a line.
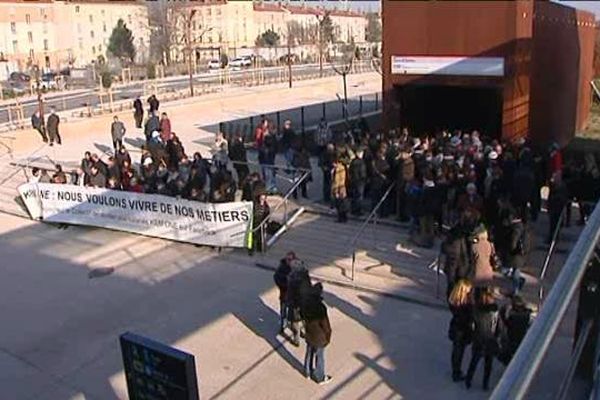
point(224, 225)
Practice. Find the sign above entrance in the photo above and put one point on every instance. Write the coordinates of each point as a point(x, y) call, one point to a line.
point(468, 66)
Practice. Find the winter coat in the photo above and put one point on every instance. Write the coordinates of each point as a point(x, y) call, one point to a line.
point(268, 150)
point(52, 126)
point(298, 293)
point(281, 278)
point(358, 172)
point(482, 252)
point(518, 245)
point(37, 122)
point(488, 327)
point(98, 180)
point(318, 330)
point(237, 151)
point(461, 324)
point(138, 107)
point(117, 130)
point(153, 124)
point(338, 181)
point(458, 264)
point(165, 129)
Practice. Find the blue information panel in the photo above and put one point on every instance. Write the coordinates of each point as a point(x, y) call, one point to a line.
point(155, 371)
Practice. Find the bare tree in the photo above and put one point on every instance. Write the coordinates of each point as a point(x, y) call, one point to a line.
point(342, 65)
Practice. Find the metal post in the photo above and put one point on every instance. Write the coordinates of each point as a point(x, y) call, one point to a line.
point(345, 96)
point(324, 111)
point(278, 114)
point(302, 119)
point(376, 101)
point(289, 57)
point(353, 261)
point(360, 105)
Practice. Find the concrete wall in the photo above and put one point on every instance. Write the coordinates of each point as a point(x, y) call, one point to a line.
point(547, 65)
point(563, 53)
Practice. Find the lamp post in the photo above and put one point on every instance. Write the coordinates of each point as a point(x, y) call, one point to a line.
point(36, 70)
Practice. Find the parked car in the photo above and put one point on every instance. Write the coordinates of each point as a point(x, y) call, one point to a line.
point(241, 62)
point(19, 77)
point(49, 81)
point(215, 64)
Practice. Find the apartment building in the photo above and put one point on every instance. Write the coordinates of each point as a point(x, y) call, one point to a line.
point(54, 34)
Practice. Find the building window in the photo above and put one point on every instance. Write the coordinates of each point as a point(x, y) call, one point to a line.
point(46, 44)
point(92, 34)
point(91, 19)
point(31, 54)
point(43, 12)
point(76, 9)
point(129, 19)
point(104, 26)
point(27, 19)
point(100, 48)
point(93, 49)
point(102, 12)
point(30, 37)
point(209, 12)
point(15, 46)
point(13, 27)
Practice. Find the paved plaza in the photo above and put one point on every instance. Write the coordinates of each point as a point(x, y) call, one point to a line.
point(62, 316)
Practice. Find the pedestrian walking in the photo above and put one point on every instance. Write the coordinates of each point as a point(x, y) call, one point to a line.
point(318, 337)
point(37, 122)
point(138, 113)
point(117, 131)
point(153, 103)
point(281, 280)
point(52, 128)
point(483, 256)
point(460, 331)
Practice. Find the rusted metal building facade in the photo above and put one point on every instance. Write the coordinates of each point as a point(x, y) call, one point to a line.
point(507, 68)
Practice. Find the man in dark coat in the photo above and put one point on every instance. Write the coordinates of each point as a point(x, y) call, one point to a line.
point(37, 122)
point(298, 288)
point(52, 128)
point(138, 113)
point(117, 131)
point(281, 280)
point(458, 263)
point(237, 154)
point(152, 125)
point(557, 200)
point(153, 103)
point(358, 181)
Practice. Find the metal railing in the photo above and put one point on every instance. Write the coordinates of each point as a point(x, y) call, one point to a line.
point(282, 203)
point(520, 372)
point(371, 218)
point(549, 255)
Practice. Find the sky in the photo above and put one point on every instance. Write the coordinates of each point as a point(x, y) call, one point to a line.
point(593, 6)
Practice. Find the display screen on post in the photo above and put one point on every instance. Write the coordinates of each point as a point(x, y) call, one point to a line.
point(156, 371)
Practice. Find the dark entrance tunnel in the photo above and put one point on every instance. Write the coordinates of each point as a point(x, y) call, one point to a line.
point(427, 109)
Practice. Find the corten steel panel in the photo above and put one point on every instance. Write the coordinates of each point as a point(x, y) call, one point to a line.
point(462, 28)
point(563, 50)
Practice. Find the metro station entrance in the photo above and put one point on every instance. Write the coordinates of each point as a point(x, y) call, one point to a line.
point(430, 108)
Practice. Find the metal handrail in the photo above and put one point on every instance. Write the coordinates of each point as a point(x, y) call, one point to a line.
point(526, 362)
point(361, 229)
point(283, 200)
point(549, 256)
point(577, 351)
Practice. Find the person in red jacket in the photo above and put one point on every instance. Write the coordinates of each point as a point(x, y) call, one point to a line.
point(556, 160)
point(165, 128)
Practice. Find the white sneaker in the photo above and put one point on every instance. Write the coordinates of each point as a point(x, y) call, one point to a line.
point(325, 380)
